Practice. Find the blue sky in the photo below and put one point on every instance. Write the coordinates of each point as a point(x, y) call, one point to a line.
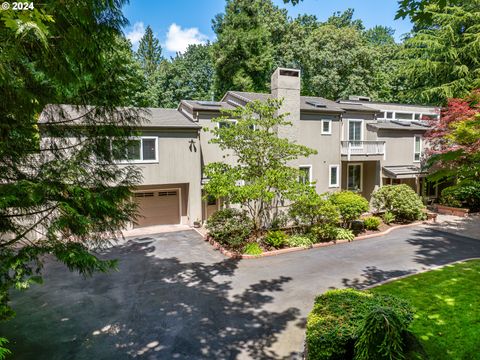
point(177, 23)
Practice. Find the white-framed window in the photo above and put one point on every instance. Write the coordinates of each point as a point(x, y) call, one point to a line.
point(417, 148)
point(389, 115)
point(404, 116)
point(305, 174)
point(354, 177)
point(226, 123)
point(138, 150)
point(334, 176)
point(326, 127)
point(355, 132)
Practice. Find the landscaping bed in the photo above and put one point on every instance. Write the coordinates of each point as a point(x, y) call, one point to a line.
point(315, 221)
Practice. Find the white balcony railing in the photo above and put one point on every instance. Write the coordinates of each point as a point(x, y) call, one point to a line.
point(350, 148)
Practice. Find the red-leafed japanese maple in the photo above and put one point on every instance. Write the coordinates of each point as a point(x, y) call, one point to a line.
point(454, 151)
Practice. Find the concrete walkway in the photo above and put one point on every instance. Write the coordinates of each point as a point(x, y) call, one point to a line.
point(466, 226)
point(175, 298)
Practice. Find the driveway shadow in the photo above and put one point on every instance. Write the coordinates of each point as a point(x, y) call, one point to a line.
point(431, 248)
point(153, 307)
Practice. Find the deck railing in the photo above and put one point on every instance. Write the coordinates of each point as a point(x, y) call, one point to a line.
point(350, 148)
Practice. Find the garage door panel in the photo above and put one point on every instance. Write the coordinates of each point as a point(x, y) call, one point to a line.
point(158, 208)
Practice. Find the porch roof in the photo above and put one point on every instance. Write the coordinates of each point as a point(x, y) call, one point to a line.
point(403, 171)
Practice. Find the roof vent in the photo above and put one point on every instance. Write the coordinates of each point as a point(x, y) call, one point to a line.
point(316, 104)
point(359, 98)
point(209, 103)
point(403, 123)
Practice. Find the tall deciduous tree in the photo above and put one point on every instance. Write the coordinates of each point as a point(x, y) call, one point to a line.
point(440, 60)
point(187, 76)
point(261, 178)
point(61, 192)
point(247, 35)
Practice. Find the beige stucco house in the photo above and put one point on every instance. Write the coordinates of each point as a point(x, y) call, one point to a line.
point(361, 145)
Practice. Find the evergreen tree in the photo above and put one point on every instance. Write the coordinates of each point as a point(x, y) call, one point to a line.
point(149, 53)
point(61, 192)
point(440, 61)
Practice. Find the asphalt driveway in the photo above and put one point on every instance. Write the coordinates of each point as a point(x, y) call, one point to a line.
point(176, 298)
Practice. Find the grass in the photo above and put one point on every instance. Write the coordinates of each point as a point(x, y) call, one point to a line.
point(447, 309)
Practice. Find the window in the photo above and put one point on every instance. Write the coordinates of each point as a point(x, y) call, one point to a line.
point(389, 115)
point(305, 174)
point(404, 116)
point(354, 181)
point(227, 123)
point(418, 116)
point(355, 132)
point(381, 115)
point(417, 148)
point(334, 180)
point(326, 127)
point(143, 149)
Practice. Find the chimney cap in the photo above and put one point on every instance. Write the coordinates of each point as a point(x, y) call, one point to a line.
point(359, 98)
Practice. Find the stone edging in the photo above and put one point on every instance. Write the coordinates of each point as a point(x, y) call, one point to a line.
point(233, 255)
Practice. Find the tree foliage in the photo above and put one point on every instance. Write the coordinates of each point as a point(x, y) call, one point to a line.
point(440, 60)
point(454, 150)
point(61, 192)
point(149, 52)
point(260, 179)
point(247, 36)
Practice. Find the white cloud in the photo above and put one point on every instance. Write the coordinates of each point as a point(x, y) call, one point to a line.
point(178, 39)
point(135, 35)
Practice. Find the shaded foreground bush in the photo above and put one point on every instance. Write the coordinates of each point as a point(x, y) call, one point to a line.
point(400, 200)
point(339, 317)
point(230, 227)
point(464, 194)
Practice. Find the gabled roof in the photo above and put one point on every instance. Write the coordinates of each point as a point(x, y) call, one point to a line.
point(150, 117)
point(307, 103)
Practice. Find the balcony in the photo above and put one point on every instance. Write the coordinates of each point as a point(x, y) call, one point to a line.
point(363, 150)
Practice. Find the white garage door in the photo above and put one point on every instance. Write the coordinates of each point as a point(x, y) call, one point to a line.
point(159, 207)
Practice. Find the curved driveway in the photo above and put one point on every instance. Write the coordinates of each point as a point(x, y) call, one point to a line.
point(176, 298)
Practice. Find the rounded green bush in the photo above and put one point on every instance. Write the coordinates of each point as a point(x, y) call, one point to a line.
point(252, 249)
point(465, 193)
point(351, 205)
point(230, 227)
point(298, 240)
point(372, 222)
point(400, 200)
point(275, 239)
point(335, 323)
point(322, 233)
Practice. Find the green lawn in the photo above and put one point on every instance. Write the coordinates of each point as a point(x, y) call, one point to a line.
point(447, 307)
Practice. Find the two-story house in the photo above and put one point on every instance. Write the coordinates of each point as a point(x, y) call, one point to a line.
point(361, 145)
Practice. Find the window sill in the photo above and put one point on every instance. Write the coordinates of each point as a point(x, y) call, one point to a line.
point(137, 162)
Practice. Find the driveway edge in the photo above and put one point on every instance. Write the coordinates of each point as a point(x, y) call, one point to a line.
point(233, 255)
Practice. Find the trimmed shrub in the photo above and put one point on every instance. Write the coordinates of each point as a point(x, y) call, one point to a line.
point(297, 240)
point(276, 239)
point(372, 222)
point(464, 194)
point(388, 217)
point(345, 234)
point(382, 336)
point(350, 205)
point(323, 233)
point(400, 200)
point(252, 249)
point(311, 209)
point(335, 323)
point(230, 227)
